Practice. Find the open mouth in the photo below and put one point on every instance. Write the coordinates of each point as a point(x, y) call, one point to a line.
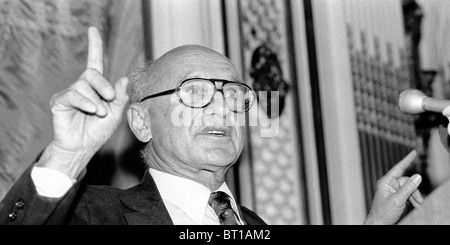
point(216, 133)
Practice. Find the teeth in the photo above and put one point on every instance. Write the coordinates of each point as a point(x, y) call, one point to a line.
point(219, 133)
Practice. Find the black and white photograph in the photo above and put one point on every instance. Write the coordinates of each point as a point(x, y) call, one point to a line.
point(225, 112)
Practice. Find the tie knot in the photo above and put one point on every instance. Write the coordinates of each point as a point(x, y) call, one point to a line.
point(220, 202)
point(219, 199)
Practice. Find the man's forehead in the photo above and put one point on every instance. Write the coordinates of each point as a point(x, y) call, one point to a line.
point(219, 73)
point(205, 67)
point(193, 62)
point(203, 60)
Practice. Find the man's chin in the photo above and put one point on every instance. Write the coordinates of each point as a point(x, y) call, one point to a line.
point(219, 157)
point(222, 151)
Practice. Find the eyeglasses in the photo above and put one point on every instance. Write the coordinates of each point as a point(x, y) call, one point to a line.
point(199, 93)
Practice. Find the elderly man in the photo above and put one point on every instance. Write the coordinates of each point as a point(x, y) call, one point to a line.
point(188, 107)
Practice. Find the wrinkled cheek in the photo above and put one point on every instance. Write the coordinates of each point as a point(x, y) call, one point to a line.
point(239, 141)
point(183, 116)
point(239, 120)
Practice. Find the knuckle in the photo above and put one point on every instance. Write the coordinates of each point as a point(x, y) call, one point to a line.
point(78, 84)
point(53, 100)
point(70, 92)
point(381, 181)
point(90, 74)
point(95, 78)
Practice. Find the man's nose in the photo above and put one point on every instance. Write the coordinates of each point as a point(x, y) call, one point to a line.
point(218, 106)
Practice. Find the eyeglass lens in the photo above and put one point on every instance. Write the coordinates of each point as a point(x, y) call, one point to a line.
point(199, 93)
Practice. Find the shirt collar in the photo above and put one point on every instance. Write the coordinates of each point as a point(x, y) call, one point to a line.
point(178, 191)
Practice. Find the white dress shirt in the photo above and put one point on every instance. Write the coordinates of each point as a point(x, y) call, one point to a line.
point(175, 191)
point(51, 183)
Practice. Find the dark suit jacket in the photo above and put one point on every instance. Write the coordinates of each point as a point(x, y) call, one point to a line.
point(97, 205)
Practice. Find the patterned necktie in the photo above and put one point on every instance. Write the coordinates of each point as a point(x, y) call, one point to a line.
point(220, 202)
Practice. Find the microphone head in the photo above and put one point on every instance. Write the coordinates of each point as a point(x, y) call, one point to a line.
point(410, 101)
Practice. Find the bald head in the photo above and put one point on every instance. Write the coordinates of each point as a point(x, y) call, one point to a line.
point(169, 70)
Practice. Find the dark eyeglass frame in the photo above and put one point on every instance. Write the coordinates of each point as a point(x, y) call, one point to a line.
point(212, 80)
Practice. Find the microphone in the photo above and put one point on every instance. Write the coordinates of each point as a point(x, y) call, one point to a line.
point(413, 101)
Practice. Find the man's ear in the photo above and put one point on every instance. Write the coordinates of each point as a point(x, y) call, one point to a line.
point(138, 123)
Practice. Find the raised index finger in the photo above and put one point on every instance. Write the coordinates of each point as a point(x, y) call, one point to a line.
point(95, 51)
point(399, 169)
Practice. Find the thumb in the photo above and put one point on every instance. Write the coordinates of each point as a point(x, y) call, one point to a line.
point(408, 188)
point(121, 92)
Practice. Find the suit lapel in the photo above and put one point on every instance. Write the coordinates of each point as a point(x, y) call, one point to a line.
point(147, 206)
point(146, 203)
point(241, 214)
point(250, 217)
